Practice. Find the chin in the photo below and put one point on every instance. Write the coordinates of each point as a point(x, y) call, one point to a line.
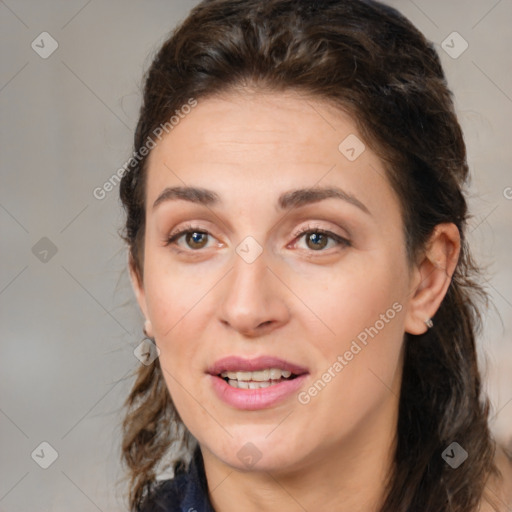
point(257, 451)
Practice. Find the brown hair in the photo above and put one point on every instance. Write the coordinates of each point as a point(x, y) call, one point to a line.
point(371, 62)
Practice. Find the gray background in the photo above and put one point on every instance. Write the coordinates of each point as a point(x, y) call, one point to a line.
point(68, 323)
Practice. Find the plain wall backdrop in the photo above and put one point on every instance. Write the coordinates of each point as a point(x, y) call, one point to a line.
point(68, 321)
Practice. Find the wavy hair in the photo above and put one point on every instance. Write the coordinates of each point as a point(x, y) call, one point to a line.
point(368, 60)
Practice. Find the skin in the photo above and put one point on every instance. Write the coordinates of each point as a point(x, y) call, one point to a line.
point(498, 492)
point(295, 301)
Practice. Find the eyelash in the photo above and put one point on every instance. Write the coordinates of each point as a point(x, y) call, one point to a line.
point(312, 229)
point(301, 232)
point(187, 229)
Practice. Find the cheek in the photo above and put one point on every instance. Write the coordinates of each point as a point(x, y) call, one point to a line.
point(180, 301)
point(172, 292)
point(359, 364)
point(170, 300)
point(363, 295)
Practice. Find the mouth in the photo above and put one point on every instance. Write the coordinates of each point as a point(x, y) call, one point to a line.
point(258, 379)
point(258, 383)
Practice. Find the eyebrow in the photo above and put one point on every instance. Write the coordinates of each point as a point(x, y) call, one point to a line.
point(286, 201)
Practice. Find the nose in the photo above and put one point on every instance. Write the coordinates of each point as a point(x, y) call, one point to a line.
point(254, 298)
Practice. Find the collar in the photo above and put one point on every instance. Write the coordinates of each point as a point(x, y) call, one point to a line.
point(186, 492)
point(196, 491)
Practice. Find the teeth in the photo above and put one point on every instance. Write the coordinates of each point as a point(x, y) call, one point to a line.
point(256, 380)
point(258, 376)
point(261, 376)
point(277, 374)
point(249, 385)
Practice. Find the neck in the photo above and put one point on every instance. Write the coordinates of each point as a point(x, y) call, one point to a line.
point(346, 476)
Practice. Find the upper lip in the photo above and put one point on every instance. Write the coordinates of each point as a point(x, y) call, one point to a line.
point(236, 363)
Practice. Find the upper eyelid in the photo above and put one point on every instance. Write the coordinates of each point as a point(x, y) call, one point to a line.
point(312, 228)
point(339, 239)
point(299, 231)
point(297, 234)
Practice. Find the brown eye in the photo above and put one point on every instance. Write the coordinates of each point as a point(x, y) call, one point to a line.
point(316, 240)
point(196, 239)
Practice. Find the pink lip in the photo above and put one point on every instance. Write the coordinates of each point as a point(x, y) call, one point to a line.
point(254, 399)
point(234, 363)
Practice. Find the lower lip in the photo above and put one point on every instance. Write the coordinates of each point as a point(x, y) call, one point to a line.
point(254, 399)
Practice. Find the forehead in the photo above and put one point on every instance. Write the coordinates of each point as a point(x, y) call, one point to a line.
point(283, 126)
point(261, 144)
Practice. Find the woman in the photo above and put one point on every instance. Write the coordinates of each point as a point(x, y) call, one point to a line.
point(296, 227)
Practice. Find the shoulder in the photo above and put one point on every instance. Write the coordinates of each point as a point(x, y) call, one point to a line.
point(499, 489)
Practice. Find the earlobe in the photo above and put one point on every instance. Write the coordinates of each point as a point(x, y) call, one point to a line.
point(148, 329)
point(432, 277)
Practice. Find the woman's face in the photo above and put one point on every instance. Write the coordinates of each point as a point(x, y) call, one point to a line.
point(249, 293)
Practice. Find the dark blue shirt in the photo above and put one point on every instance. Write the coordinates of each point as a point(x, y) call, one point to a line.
point(186, 492)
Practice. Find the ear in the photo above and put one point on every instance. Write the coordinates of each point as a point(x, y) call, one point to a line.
point(138, 289)
point(432, 276)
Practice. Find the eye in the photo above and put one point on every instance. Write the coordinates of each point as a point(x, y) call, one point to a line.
point(195, 237)
point(317, 239)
